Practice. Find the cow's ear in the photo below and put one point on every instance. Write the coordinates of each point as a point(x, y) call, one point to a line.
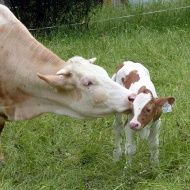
point(57, 80)
point(64, 72)
point(162, 101)
point(53, 80)
point(92, 60)
point(60, 81)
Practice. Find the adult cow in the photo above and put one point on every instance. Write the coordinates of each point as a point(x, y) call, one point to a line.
point(76, 88)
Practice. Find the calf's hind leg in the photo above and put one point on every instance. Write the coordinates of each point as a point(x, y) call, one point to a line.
point(2, 123)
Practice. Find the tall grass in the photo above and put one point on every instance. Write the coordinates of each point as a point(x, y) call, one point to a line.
point(58, 152)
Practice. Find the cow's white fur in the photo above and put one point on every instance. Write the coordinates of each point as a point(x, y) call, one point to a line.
point(22, 57)
point(33, 80)
point(150, 131)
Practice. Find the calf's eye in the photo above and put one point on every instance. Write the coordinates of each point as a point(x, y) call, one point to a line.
point(148, 109)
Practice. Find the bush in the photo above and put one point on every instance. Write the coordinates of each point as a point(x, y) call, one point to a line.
point(41, 13)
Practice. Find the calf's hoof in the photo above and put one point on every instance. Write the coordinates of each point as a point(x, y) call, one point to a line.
point(154, 162)
point(127, 165)
point(117, 153)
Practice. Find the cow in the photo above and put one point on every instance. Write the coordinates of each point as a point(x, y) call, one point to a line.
point(146, 111)
point(33, 80)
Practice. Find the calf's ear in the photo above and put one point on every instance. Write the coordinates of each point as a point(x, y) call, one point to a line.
point(145, 90)
point(141, 89)
point(162, 101)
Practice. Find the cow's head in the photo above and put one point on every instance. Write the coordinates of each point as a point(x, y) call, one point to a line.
point(87, 90)
point(146, 108)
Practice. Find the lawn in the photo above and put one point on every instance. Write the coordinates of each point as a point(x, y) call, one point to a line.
point(54, 152)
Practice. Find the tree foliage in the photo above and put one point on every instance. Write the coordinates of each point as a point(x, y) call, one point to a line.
point(40, 13)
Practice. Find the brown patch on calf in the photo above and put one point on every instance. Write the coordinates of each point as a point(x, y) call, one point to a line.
point(153, 110)
point(150, 112)
point(131, 78)
point(145, 90)
point(158, 113)
point(119, 67)
point(162, 101)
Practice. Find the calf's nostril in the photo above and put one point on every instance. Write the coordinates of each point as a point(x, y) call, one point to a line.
point(134, 125)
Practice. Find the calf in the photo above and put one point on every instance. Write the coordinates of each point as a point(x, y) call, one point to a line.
point(147, 109)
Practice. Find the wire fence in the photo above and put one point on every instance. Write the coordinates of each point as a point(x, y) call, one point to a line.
point(113, 18)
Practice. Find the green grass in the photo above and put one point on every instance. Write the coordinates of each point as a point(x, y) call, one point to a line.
point(57, 152)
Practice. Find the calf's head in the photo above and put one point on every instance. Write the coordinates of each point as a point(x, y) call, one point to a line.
point(87, 90)
point(146, 108)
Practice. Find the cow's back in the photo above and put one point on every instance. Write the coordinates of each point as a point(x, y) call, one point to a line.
point(21, 57)
point(6, 16)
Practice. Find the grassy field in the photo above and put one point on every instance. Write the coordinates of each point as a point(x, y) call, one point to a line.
point(60, 153)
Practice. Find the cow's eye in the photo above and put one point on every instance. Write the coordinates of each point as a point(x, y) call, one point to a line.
point(88, 83)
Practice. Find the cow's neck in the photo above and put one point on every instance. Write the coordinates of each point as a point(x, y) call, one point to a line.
point(24, 95)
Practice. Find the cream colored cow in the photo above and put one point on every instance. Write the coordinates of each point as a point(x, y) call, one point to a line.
point(33, 80)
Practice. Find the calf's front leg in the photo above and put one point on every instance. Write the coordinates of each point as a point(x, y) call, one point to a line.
point(130, 146)
point(118, 128)
point(153, 143)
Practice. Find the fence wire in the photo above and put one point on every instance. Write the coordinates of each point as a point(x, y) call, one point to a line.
point(113, 18)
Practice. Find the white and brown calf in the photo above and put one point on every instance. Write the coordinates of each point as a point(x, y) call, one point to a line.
point(147, 109)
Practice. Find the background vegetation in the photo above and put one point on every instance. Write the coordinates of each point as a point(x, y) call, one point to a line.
point(42, 13)
point(58, 152)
